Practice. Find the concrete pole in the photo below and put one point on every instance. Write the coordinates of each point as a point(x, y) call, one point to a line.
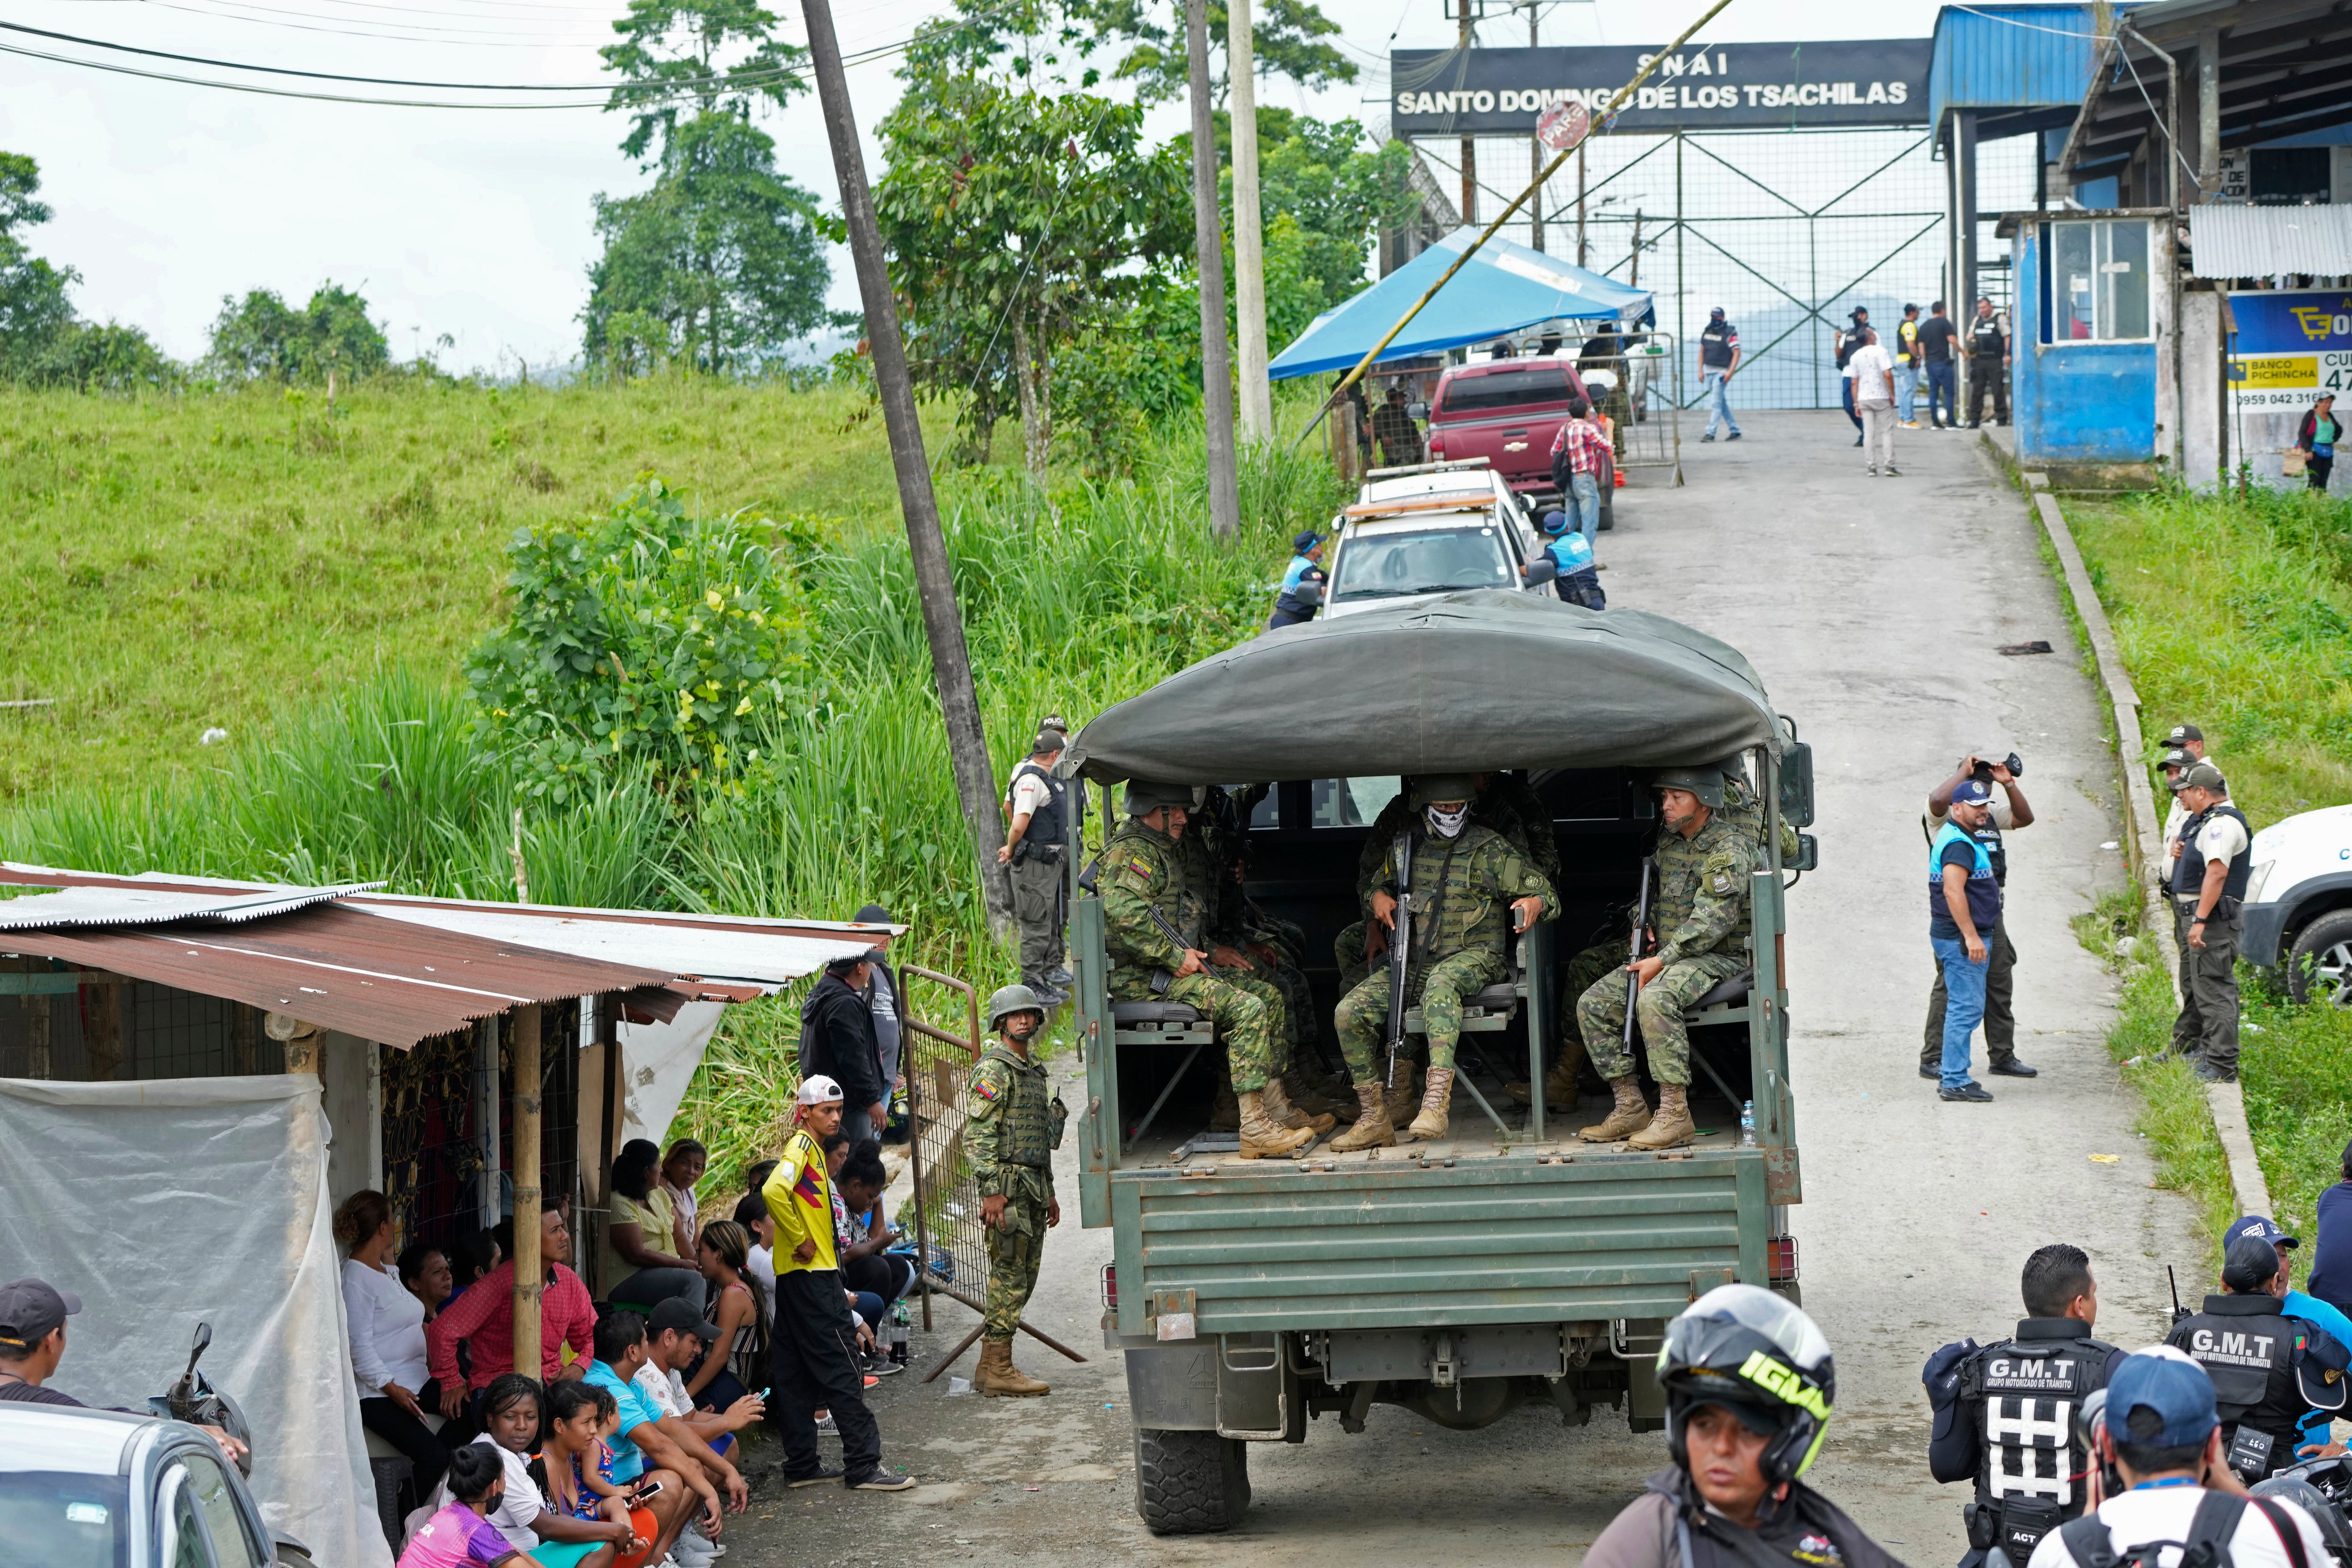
point(975, 775)
point(1249, 238)
point(2208, 111)
point(1469, 144)
point(1216, 360)
point(531, 1270)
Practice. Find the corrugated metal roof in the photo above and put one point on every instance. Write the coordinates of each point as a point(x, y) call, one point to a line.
point(2009, 56)
point(345, 969)
point(2261, 242)
point(87, 906)
point(766, 957)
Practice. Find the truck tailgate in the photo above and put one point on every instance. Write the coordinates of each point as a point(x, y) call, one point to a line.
point(1394, 1244)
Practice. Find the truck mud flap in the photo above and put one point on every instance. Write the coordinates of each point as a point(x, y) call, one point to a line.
point(1256, 1388)
point(1173, 1388)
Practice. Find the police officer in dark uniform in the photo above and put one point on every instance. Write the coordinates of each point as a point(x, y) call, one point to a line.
point(2004, 1412)
point(1987, 364)
point(2270, 1371)
point(1036, 848)
point(1719, 359)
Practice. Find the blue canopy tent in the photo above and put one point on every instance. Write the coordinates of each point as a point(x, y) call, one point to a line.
point(1503, 287)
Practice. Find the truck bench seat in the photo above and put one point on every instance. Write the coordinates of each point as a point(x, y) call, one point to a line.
point(1125, 1014)
point(1726, 993)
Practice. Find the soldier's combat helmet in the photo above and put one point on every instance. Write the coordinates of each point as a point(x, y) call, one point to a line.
point(1011, 999)
point(1145, 796)
point(1706, 783)
point(1428, 789)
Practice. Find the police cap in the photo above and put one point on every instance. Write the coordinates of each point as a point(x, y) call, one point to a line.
point(1145, 796)
point(1442, 786)
point(1706, 783)
point(2205, 776)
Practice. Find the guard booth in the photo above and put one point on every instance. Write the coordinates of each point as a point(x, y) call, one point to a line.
point(2096, 394)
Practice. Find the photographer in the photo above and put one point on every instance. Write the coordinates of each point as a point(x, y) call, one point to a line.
point(2010, 811)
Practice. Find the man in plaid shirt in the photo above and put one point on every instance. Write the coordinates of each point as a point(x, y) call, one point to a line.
point(1581, 455)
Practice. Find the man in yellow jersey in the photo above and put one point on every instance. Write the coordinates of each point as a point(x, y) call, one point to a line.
point(817, 1346)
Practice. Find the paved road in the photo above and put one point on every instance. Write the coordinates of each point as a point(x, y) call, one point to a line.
point(1873, 608)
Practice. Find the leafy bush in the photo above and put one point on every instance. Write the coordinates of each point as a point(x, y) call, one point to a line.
point(648, 640)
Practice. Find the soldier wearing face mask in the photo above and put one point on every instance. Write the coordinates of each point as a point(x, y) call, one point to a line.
point(1471, 890)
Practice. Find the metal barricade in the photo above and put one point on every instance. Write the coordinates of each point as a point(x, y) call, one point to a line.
point(948, 1235)
point(1644, 401)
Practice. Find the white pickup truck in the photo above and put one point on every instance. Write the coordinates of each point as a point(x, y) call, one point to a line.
point(1416, 533)
point(2298, 908)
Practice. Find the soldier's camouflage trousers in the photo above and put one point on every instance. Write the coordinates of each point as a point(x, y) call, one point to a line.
point(1600, 1014)
point(1348, 952)
point(1248, 1011)
point(1014, 1257)
point(1363, 1016)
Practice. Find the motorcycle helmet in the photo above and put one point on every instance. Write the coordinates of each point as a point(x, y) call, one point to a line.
point(1758, 1356)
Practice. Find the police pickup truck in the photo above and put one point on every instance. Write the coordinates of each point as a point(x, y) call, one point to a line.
point(1510, 1261)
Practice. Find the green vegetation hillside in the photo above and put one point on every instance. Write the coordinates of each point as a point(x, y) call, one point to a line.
point(181, 563)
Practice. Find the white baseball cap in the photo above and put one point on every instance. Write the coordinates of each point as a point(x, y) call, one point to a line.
point(818, 1089)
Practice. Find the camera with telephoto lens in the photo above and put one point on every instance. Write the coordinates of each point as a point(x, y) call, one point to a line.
point(2013, 762)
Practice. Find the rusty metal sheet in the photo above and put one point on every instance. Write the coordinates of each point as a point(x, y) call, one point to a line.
point(345, 969)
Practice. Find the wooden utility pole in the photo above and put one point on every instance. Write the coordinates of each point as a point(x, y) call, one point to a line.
point(975, 777)
point(1249, 239)
point(1579, 203)
point(530, 1270)
point(1216, 360)
point(1535, 146)
point(1469, 144)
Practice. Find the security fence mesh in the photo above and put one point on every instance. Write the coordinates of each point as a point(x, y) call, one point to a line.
point(942, 1041)
point(1787, 230)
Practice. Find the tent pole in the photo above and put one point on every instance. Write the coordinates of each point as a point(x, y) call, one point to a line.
point(1372, 354)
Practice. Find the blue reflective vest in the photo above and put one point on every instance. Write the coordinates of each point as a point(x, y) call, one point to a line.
point(1301, 569)
point(1571, 552)
point(1984, 893)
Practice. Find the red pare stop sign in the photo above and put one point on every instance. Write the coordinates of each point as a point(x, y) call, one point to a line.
point(1563, 125)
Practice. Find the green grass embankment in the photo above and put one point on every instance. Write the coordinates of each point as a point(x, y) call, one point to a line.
point(2235, 615)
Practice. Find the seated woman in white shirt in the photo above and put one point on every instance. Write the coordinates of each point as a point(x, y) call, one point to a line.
point(387, 1329)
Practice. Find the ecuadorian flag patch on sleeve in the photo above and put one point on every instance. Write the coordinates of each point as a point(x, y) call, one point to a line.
point(1141, 869)
point(985, 1090)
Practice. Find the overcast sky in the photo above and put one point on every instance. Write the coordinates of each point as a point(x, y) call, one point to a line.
point(476, 223)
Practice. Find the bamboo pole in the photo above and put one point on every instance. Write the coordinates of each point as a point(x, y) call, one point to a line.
point(530, 1269)
point(1372, 354)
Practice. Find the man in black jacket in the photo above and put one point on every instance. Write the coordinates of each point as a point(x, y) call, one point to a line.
point(837, 1041)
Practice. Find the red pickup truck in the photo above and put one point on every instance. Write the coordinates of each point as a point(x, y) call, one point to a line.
point(1508, 411)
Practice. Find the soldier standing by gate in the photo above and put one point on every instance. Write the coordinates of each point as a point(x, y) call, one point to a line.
point(1037, 847)
point(1464, 881)
point(1704, 863)
point(1011, 1130)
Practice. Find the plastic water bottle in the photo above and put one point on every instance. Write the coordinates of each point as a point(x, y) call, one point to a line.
point(899, 1333)
point(1748, 1125)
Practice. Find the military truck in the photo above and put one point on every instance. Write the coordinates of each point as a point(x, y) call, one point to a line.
point(1509, 1262)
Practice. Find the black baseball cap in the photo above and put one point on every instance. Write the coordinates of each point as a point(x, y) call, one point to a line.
point(2181, 734)
point(1910, 310)
point(2249, 1264)
point(31, 1311)
point(1306, 540)
point(673, 1313)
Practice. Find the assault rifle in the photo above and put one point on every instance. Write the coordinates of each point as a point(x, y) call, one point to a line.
point(1162, 979)
point(1640, 941)
point(1400, 949)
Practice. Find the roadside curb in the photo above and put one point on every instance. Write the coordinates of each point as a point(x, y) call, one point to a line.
point(2142, 833)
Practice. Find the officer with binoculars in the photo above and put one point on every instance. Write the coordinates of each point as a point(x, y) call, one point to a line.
point(2009, 810)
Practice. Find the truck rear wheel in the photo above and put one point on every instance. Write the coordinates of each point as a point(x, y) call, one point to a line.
point(2319, 965)
point(1189, 1483)
point(1609, 507)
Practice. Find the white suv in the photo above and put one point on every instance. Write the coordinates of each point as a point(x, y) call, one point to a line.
point(1416, 533)
point(2299, 904)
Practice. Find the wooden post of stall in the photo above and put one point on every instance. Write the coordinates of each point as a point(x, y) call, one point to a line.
point(530, 1269)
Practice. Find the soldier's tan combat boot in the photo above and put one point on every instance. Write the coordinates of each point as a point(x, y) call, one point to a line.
point(1437, 1103)
point(1373, 1129)
point(1225, 1115)
point(1632, 1113)
point(1310, 1098)
point(1279, 1110)
point(1559, 1084)
point(1672, 1125)
point(998, 1378)
point(1402, 1098)
point(1263, 1138)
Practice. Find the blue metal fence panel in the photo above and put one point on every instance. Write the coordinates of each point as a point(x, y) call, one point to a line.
point(2009, 56)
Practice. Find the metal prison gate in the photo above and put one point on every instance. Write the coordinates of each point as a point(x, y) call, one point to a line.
point(1788, 230)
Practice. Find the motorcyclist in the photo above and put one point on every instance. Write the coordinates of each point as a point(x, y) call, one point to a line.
point(1750, 1383)
point(33, 1314)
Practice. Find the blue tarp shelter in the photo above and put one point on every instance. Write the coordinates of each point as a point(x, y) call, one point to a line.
point(1504, 288)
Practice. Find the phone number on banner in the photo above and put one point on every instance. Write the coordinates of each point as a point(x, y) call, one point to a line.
point(2289, 380)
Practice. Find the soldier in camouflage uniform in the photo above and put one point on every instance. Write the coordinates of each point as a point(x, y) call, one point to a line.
point(1148, 875)
point(1010, 1133)
point(1701, 909)
point(1472, 888)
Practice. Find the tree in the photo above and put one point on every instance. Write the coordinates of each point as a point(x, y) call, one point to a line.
point(1286, 41)
point(720, 266)
point(1325, 196)
point(1015, 219)
point(34, 308)
point(261, 338)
